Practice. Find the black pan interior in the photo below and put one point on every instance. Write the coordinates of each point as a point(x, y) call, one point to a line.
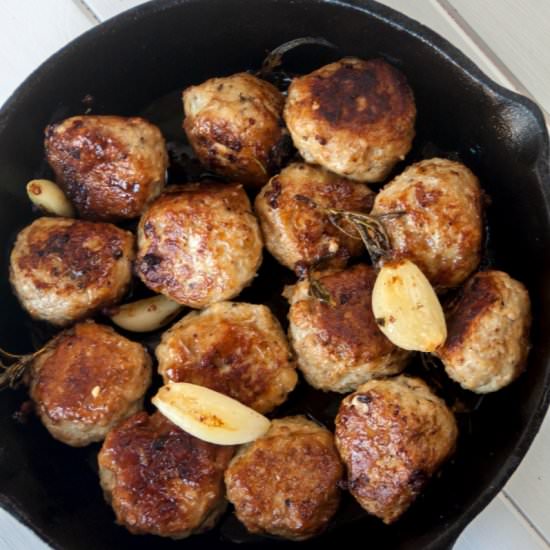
point(125, 67)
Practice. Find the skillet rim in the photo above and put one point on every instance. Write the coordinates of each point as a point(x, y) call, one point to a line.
point(441, 47)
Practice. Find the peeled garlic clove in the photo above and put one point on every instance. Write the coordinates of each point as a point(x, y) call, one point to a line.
point(49, 197)
point(209, 415)
point(146, 315)
point(407, 309)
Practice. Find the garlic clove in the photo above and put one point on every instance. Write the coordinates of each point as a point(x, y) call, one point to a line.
point(209, 415)
point(147, 314)
point(49, 197)
point(407, 309)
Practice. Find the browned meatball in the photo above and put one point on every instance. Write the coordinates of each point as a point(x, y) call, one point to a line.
point(236, 349)
point(338, 344)
point(441, 227)
point(160, 480)
point(488, 333)
point(87, 381)
point(393, 435)
point(295, 224)
point(63, 269)
point(199, 243)
point(286, 482)
point(235, 127)
point(354, 117)
point(111, 167)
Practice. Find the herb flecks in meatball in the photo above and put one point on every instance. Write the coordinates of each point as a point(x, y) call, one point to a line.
point(441, 229)
point(110, 167)
point(296, 228)
point(488, 333)
point(63, 270)
point(160, 480)
point(393, 435)
point(87, 381)
point(199, 243)
point(234, 348)
point(235, 127)
point(338, 344)
point(354, 117)
point(286, 482)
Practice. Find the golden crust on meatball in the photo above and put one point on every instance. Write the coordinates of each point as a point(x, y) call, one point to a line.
point(441, 228)
point(160, 480)
point(235, 127)
point(393, 435)
point(63, 269)
point(87, 381)
point(488, 333)
point(234, 348)
point(111, 167)
point(199, 243)
point(354, 117)
point(296, 229)
point(286, 482)
point(339, 345)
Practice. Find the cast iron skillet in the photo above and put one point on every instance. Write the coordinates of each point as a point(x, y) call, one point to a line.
point(124, 65)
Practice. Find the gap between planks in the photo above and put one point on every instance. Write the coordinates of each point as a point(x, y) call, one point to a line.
point(482, 47)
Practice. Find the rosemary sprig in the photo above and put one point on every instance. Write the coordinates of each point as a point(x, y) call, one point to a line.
point(12, 375)
point(317, 289)
point(366, 227)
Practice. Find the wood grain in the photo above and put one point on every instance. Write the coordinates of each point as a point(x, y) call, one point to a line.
point(519, 33)
point(31, 31)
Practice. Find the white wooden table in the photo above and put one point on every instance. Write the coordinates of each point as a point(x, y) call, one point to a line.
point(509, 40)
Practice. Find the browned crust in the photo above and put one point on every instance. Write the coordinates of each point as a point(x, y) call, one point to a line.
point(286, 482)
point(109, 166)
point(80, 266)
point(361, 93)
point(91, 376)
point(477, 297)
point(241, 136)
point(162, 480)
point(236, 349)
point(176, 243)
point(392, 435)
point(350, 320)
point(64, 269)
point(299, 233)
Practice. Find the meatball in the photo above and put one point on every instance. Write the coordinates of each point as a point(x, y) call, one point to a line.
point(199, 243)
point(440, 229)
point(296, 227)
point(286, 482)
point(160, 480)
point(236, 349)
point(110, 167)
point(354, 117)
point(488, 333)
point(393, 435)
point(63, 269)
point(235, 127)
point(87, 380)
point(338, 344)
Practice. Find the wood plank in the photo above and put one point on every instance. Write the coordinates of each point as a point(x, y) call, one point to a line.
point(529, 487)
point(430, 13)
point(31, 31)
point(15, 536)
point(500, 527)
point(104, 9)
point(518, 32)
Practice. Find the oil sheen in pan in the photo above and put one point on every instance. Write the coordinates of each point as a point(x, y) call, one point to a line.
point(166, 112)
